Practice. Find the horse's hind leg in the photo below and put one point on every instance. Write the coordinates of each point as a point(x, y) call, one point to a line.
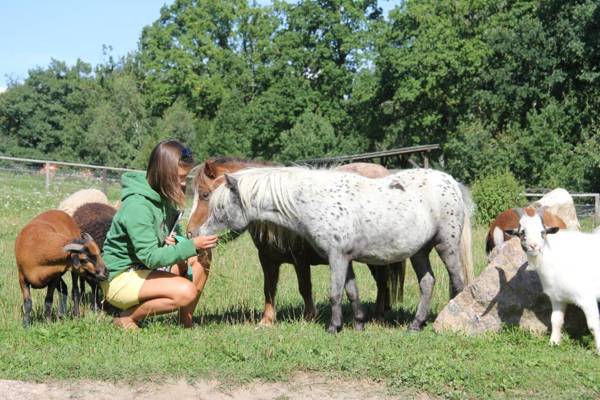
point(271, 277)
point(422, 267)
point(352, 293)
point(382, 303)
point(450, 255)
point(305, 288)
point(339, 271)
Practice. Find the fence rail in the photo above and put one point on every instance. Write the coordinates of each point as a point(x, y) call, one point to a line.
point(581, 209)
point(49, 168)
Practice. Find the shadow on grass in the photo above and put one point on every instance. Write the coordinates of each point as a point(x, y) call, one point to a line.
point(287, 313)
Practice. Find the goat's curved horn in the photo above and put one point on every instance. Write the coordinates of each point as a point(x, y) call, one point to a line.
point(73, 247)
point(87, 237)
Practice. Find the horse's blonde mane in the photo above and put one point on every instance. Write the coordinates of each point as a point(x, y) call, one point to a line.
point(260, 186)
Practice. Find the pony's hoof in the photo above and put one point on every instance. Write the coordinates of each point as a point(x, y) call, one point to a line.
point(359, 326)
point(310, 315)
point(415, 326)
point(334, 329)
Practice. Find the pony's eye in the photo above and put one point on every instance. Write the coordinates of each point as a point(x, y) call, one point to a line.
point(204, 195)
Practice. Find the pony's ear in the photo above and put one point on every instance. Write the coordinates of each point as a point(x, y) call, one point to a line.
point(551, 230)
point(232, 183)
point(209, 169)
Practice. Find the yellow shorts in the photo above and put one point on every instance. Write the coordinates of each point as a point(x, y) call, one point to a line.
point(124, 290)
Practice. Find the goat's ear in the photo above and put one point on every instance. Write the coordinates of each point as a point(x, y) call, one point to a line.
point(232, 183)
point(512, 232)
point(551, 230)
point(209, 169)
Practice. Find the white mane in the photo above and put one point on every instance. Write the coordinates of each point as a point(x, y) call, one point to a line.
point(259, 187)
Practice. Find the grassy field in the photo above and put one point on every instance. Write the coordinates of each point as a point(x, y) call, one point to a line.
point(227, 344)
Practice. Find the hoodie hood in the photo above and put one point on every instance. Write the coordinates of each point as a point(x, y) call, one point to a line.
point(136, 183)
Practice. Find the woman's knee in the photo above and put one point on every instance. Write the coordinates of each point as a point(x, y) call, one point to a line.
point(186, 293)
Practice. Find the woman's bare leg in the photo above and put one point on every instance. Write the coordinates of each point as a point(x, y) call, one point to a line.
point(199, 278)
point(161, 293)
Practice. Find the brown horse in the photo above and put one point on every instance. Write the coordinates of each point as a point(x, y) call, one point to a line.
point(277, 245)
point(509, 219)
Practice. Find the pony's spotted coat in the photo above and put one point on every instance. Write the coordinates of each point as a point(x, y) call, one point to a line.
point(348, 217)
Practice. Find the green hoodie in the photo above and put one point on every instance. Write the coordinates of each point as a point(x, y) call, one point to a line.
point(138, 230)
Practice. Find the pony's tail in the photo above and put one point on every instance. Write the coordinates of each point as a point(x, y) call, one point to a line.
point(397, 272)
point(466, 254)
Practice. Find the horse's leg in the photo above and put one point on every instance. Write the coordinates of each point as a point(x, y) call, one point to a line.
point(352, 292)
point(271, 276)
point(305, 288)
point(339, 270)
point(422, 267)
point(75, 293)
point(449, 252)
point(382, 303)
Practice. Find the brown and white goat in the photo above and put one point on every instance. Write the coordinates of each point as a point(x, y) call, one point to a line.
point(45, 249)
point(509, 219)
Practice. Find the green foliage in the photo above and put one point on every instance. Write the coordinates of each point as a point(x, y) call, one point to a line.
point(312, 136)
point(494, 194)
point(500, 85)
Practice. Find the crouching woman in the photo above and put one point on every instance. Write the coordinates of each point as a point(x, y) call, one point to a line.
point(138, 243)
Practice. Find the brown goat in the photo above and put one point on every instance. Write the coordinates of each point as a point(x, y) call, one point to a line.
point(45, 249)
point(509, 219)
point(95, 219)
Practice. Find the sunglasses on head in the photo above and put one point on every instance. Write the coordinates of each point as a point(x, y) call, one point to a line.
point(186, 155)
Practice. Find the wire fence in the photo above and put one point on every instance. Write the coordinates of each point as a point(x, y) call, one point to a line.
point(587, 205)
point(70, 177)
point(59, 172)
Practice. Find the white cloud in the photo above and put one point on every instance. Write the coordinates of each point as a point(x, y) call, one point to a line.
point(2, 89)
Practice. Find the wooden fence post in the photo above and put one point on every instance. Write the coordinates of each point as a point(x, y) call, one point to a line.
point(105, 181)
point(596, 208)
point(47, 166)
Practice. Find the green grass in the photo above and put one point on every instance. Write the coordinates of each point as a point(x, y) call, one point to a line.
point(228, 345)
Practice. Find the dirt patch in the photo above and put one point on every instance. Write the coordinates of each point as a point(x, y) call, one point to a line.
point(301, 386)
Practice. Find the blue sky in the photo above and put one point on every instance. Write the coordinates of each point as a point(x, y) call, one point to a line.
point(68, 29)
point(34, 31)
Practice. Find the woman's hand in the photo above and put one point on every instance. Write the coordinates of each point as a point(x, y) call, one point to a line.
point(170, 240)
point(205, 242)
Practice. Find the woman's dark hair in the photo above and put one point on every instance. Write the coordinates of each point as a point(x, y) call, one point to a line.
point(162, 172)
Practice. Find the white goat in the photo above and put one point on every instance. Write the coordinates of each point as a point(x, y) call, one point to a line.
point(568, 264)
point(81, 197)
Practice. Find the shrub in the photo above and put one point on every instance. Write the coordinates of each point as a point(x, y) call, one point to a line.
point(494, 194)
